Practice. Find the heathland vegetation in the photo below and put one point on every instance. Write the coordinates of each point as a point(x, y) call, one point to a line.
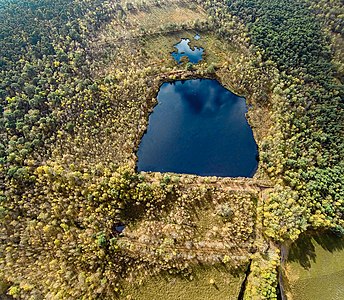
point(78, 81)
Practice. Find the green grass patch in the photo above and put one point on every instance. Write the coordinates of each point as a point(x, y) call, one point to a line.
point(216, 283)
point(315, 268)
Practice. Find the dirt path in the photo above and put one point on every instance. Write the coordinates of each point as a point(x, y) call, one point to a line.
point(249, 185)
point(186, 250)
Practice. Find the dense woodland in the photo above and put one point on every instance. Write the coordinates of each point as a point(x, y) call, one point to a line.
point(71, 120)
point(308, 156)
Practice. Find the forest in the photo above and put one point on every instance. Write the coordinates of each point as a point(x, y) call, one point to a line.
point(312, 143)
point(78, 82)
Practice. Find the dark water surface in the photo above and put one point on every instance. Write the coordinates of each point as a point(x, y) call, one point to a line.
point(194, 55)
point(198, 127)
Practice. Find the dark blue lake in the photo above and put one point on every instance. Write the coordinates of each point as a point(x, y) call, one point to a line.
point(198, 127)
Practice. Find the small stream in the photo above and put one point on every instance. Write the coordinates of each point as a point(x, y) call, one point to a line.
point(244, 283)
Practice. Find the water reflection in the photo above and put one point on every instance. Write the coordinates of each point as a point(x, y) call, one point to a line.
point(200, 128)
point(194, 55)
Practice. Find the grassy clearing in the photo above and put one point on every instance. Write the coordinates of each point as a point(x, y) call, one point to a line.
point(215, 283)
point(315, 268)
point(195, 227)
point(208, 227)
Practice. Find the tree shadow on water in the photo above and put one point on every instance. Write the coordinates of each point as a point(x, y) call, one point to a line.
point(303, 250)
point(330, 241)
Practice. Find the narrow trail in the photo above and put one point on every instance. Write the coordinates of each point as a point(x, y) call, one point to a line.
point(186, 250)
point(223, 183)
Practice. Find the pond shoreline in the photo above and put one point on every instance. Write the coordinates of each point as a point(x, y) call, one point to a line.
point(199, 127)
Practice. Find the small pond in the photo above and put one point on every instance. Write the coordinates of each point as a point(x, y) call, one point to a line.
point(198, 127)
point(194, 55)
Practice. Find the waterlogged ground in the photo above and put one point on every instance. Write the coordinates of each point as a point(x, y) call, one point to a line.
point(194, 54)
point(315, 268)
